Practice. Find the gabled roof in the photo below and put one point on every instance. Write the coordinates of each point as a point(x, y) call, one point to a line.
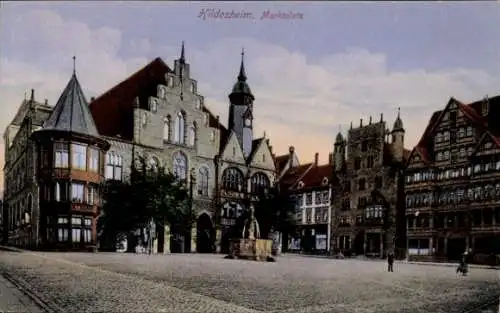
point(281, 161)
point(71, 113)
point(470, 111)
point(294, 174)
point(113, 110)
point(255, 146)
point(487, 134)
point(316, 175)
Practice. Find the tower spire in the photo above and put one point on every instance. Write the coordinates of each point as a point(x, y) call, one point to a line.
point(242, 76)
point(183, 58)
point(399, 112)
point(74, 65)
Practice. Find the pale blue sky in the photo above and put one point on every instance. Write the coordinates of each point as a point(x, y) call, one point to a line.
point(340, 63)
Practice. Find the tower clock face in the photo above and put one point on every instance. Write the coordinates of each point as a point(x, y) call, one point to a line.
point(248, 122)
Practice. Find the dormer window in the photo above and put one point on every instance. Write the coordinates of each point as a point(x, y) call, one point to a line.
point(161, 92)
point(324, 182)
point(300, 185)
point(170, 81)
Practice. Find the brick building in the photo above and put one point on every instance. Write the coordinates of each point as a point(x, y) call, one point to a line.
point(453, 184)
point(367, 198)
point(56, 161)
point(157, 113)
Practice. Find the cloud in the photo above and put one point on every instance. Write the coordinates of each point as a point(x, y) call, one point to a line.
point(299, 101)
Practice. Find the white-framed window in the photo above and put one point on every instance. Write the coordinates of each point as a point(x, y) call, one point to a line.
point(180, 165)
point(259, 182)
point(114, 166)
point(144, 119)
point(93, 160)
point(192, 135)
point(61, 155)
point(202, 181)
point(61, 191)
point(87, 235)
point(180, 124)
point(88, 222)
point(167, 134)
point(76, 221)
point(76, 234)
point(62, 234)
point(77, 192)
point(79, 156)
point(62, 220)
point(91, 194)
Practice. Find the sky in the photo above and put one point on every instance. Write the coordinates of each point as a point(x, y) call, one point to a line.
point(332, 64)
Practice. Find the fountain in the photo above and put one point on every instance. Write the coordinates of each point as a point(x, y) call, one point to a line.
point(250, 246)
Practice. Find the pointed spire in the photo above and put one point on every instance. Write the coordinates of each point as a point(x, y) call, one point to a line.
point(399, 112)
point(242, 76)
point(183, 58)
point(32, 95)
point(74, 65)
point(71, 112)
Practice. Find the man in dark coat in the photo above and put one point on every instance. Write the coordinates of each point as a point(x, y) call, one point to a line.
point(390, 262)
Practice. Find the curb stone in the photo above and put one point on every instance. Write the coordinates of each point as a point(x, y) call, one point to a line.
point(22, 286)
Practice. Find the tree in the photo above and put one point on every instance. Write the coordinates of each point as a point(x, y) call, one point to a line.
point(275, 212)
point(152, 193)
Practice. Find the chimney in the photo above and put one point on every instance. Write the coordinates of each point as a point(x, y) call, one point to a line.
point(381, 117)
point(370, 122)
point(291, 152)
point(316, 158)
point(46, 102)
point(360, 122)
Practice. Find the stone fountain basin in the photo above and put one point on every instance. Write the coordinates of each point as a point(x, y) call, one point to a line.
point(252, 249)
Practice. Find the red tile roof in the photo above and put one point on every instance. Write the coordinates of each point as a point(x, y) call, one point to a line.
point(113, 110)
point(281, 161)
point(315, 176)
point(293, 174)
point(471, 112)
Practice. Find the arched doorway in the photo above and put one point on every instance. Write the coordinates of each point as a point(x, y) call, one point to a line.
point(205, 234)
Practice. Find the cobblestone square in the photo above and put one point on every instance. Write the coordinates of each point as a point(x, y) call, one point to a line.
point(86, 282)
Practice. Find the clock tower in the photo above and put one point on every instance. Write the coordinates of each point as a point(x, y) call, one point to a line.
point(241, 110)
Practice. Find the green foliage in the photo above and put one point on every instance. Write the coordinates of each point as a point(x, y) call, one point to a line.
point(275, 211)
point(151, 194)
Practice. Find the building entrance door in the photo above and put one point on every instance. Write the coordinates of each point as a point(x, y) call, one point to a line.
point(456, 247)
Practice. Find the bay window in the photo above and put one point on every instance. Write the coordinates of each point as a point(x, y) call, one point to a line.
point(79, 156)
point(61, 155)
point(93, 160)
point(77, 192)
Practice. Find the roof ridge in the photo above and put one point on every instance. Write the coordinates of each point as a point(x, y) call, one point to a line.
point(155, 60)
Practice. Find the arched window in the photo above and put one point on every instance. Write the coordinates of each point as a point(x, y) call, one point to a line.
point(192, 135)
point(232, 179)
point(202, 181)
point(259, 182)
point(167, 135)
point(179, 128)
point(154, 163)
point(180, 165)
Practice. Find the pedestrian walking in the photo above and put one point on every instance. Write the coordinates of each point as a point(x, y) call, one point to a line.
point(390, 262)
point(462, 266)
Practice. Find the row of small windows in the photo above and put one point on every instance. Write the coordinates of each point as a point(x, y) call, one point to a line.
point(425, 176)
point(79, 228)
point(75, 192)
point(82, 157)
point(462, 132)
point(320, 215)
point(320, 197)
point(114, 169)
point(233, 179)
point(455, 196)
